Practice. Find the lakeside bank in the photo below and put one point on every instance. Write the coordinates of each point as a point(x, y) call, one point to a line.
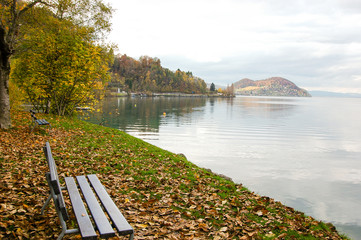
point(161, 194)
point(175, 94)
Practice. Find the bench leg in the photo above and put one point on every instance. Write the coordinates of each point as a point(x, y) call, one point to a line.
point(32, 128)
point(131, 236)
point(46, 204)
point(61, 234)
point(65, 230)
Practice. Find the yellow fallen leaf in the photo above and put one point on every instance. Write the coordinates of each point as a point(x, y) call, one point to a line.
point(141, 225)
point(18, 231)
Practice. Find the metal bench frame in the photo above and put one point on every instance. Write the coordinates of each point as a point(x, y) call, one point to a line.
point(38, 122)
point(88, 184)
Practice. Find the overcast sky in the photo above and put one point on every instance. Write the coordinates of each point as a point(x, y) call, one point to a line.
point(314, 43)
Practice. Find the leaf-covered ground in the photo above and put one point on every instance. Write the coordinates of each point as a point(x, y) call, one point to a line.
point(162, 195)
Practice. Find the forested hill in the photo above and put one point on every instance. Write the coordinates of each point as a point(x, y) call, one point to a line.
point(147, 75)
point(275, 86)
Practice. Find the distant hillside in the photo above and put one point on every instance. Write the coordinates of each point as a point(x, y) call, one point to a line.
point(147, 75)
point(275, 86)
point(335, 94)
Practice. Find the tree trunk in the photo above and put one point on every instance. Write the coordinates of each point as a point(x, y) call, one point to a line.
point(5, 53)
point(5, 121)
point(8, 33)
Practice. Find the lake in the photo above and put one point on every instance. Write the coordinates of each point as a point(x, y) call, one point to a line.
point(304, 152)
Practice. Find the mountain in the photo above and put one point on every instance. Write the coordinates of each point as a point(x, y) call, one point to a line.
point(274, 86)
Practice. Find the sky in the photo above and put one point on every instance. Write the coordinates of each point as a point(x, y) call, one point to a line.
point(314, 43)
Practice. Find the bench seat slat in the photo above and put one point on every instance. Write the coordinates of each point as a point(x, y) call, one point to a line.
point(99, 217)
point(116, 216)
point(85, 225)
point(39, 122)
point(42, 122)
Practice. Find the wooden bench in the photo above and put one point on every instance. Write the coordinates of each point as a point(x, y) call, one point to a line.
point(106, 222)
point(38, 122)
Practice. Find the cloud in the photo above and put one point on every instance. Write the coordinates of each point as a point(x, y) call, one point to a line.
point(312, 43)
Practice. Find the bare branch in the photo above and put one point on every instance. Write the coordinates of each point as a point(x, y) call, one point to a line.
point(30, 5)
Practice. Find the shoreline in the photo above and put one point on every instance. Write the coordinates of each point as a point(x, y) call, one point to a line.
point(162, 195)
point(168, 95)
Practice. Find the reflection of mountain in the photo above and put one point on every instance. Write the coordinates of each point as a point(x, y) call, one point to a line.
point(268, 106)
point(271, 103)
point(275, 86)
point(145, 114)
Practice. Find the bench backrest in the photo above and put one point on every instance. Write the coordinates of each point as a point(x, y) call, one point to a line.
point(32, 113)
point(53, 180)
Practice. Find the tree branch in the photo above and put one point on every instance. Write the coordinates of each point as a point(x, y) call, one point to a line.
point(30, 5)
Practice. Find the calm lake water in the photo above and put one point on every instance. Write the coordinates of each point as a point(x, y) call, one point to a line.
point(304, 152)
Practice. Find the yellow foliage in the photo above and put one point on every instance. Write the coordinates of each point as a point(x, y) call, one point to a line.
point(250, 88)
point(16, 96)
point(61, 67)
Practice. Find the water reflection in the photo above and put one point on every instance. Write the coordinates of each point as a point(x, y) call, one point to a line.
point(267, 107)
point(304, 152)
point(143, 114)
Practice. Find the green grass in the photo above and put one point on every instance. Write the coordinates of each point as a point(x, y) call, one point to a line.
point(151, 185)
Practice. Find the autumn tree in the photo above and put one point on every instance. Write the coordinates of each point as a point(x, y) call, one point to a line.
point(229, 90)
point(12, 13)
point(15, 16)
point(59, 68)
point(147, 75)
